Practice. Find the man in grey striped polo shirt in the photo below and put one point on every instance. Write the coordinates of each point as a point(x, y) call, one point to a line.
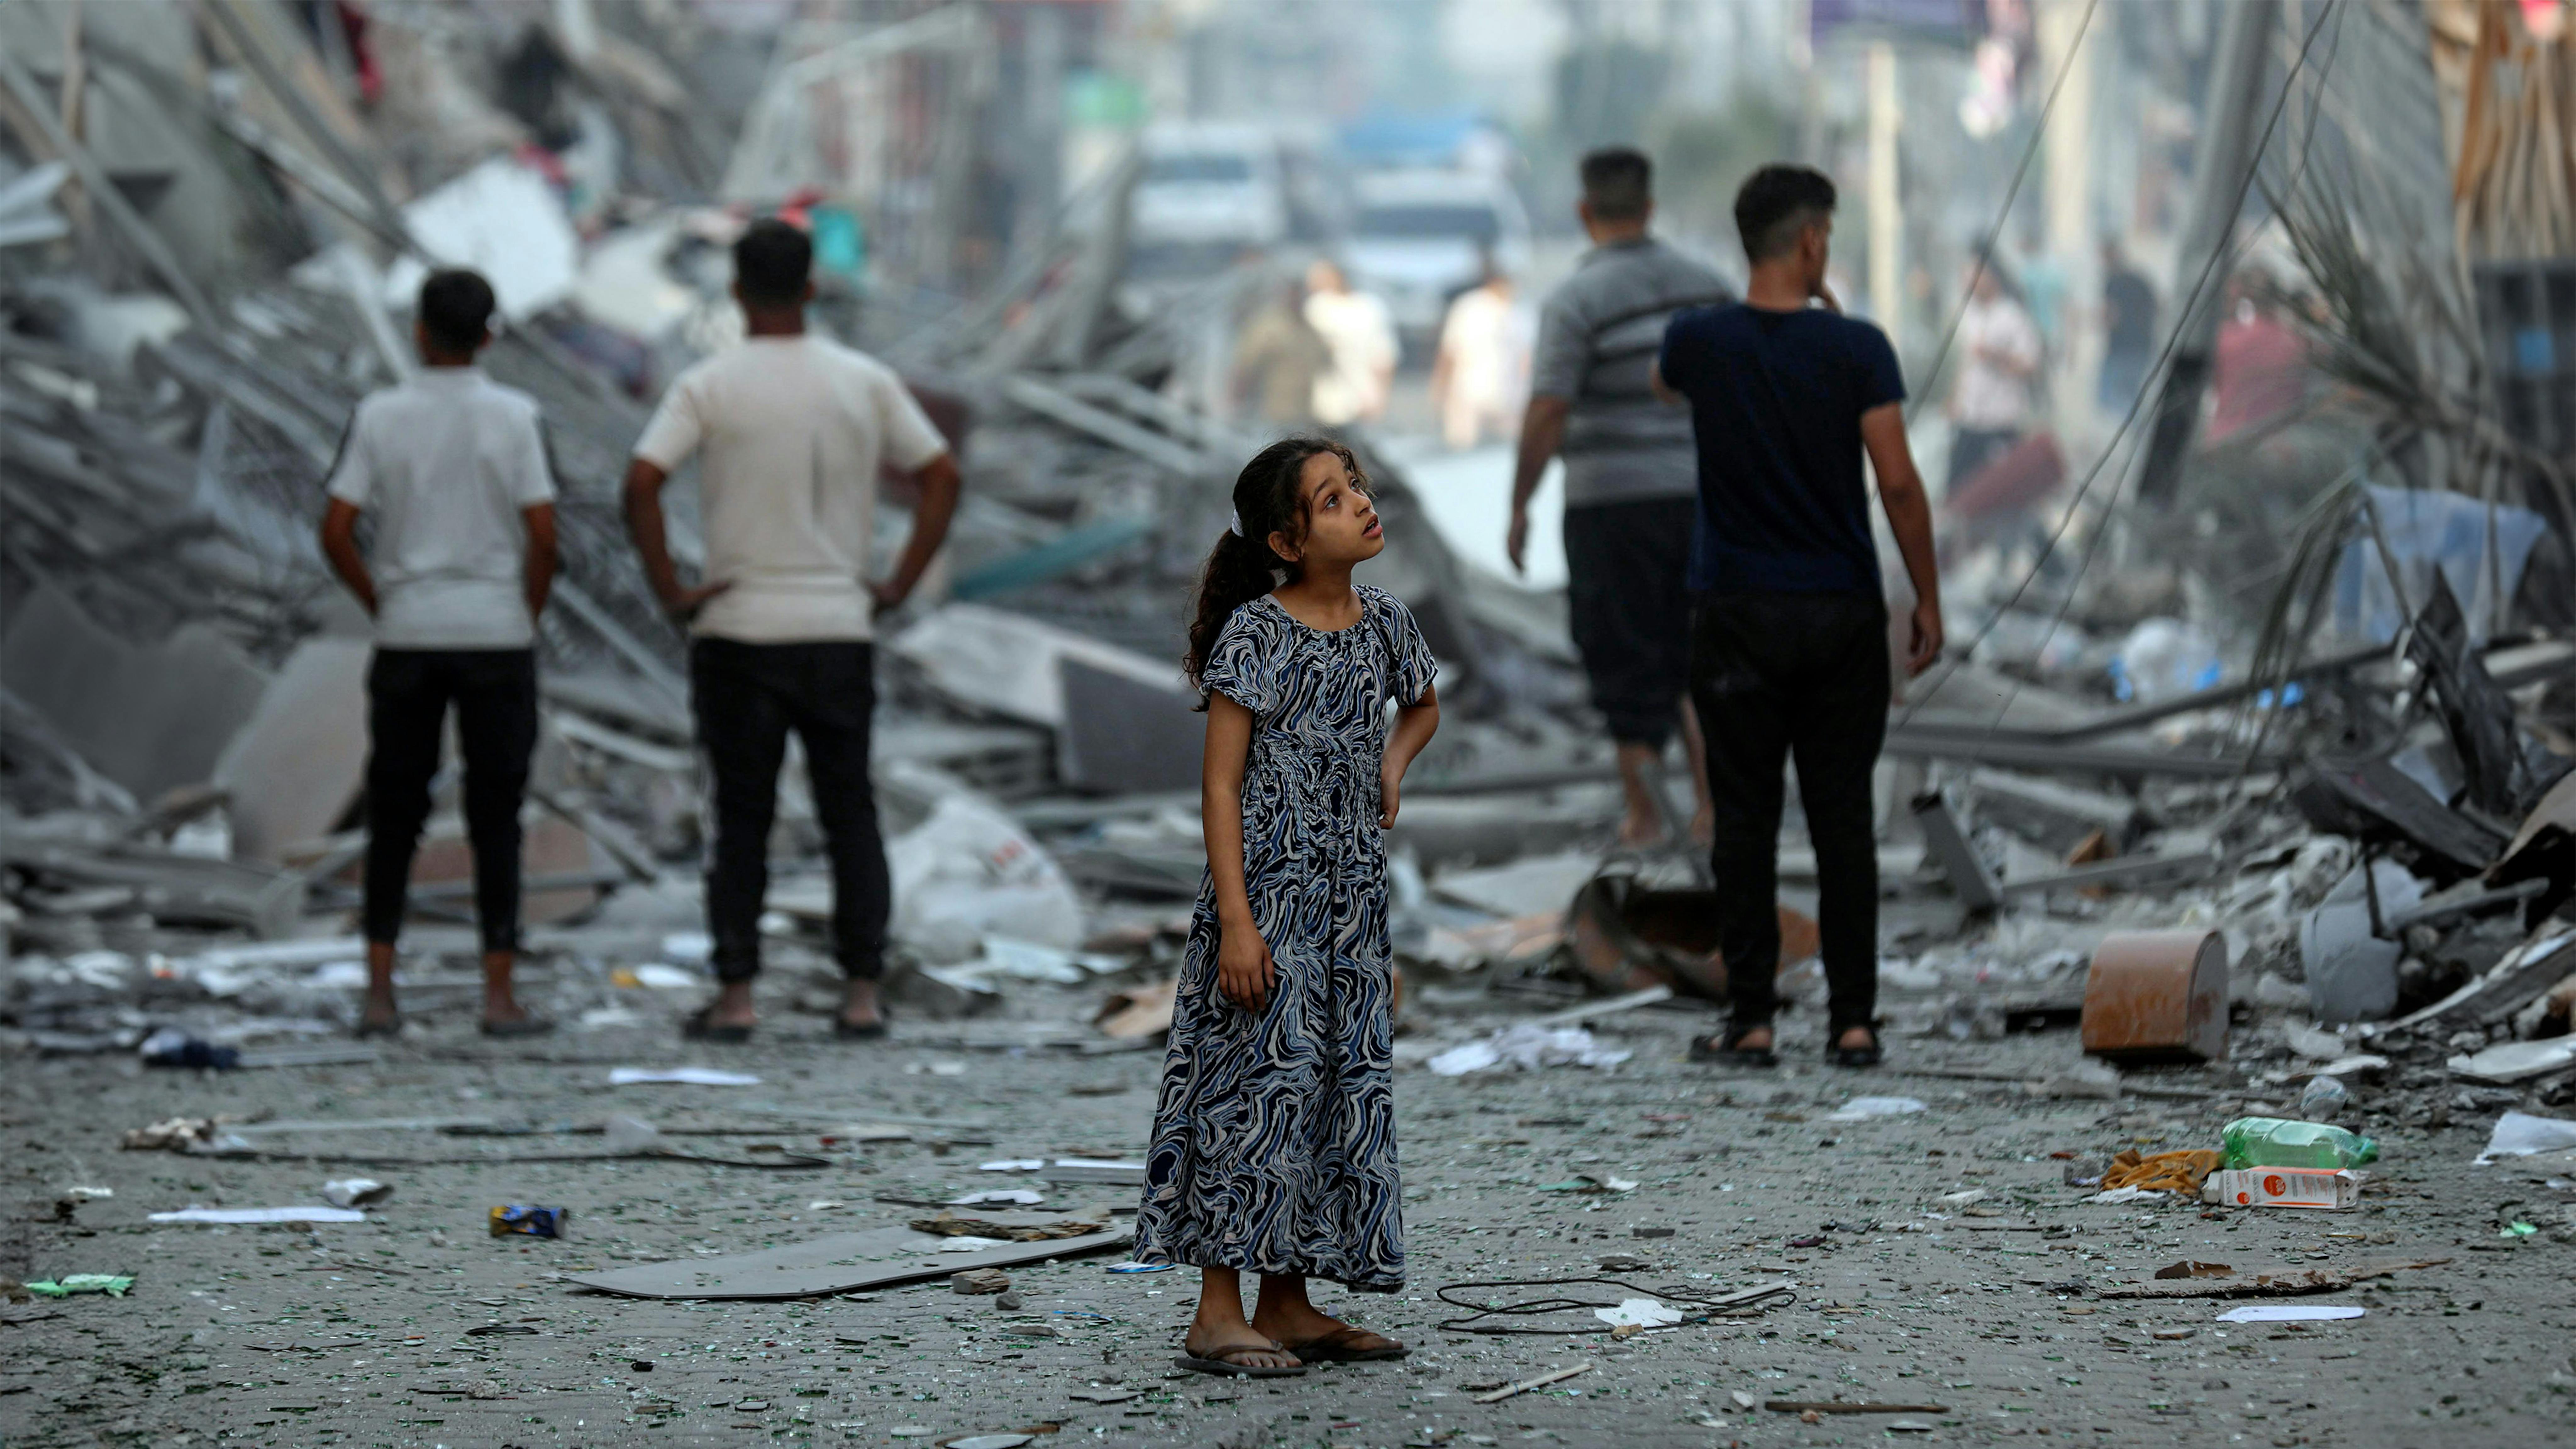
point(1631, 474)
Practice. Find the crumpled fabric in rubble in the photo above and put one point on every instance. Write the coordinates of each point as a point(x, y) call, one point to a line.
point(2165, 1172)
point(1528, 1046)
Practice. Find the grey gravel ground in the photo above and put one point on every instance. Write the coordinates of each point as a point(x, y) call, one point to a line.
point(354, 1334)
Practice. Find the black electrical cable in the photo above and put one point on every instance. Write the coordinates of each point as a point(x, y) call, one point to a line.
point(1742, 1300)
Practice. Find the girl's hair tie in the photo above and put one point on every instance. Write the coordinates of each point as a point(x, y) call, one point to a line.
point(1234, 522)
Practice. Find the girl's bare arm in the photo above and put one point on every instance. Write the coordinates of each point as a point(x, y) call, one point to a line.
point(1414, 725)
point(1244, 969)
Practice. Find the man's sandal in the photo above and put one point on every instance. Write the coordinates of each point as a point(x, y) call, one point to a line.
point(1221, 1362)
point(1729, 1050)
point(1859, 1056)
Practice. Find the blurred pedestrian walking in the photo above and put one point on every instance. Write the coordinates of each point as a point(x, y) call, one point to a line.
point(1480, 378)
point(1629, 476)
point(1990, 404)
point(1360, 335)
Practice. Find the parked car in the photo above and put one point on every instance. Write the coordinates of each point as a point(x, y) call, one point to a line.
point(1419, 238)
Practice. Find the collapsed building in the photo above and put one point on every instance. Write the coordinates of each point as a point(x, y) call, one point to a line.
point(2319, 704)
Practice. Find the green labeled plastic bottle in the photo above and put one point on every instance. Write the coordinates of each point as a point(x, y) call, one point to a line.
point(2278, 1142)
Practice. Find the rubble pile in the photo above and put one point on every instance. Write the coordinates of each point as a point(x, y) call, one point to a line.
point(2379, 840)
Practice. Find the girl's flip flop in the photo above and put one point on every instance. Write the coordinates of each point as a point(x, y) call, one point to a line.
point(1221, 1362)
point(1342, 1345)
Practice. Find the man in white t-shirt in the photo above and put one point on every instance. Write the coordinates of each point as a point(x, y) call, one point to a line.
point(1999, 355)
point(454, 468)
point(1360, 335)
point(1480, 378)
point(790, 430)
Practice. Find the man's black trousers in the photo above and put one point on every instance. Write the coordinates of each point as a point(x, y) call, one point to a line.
point(1804, 677)
point(1627, 593)
point(747, 697)
point(408, 694)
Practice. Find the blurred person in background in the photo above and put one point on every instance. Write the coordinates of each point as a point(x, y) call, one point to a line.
point(1360, 336)
point(2128, 330)
point(1481, 375)
point(1278, 358)
point(1990, 404)
point(1630, 475)
point(2259, 370)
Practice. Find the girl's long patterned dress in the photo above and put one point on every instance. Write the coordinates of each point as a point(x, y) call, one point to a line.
point(1274, 1137)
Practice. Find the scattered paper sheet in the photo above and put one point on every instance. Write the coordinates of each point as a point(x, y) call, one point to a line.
point(1861, 1109)
point(2521, 1134)
point(356, 1192)
point(1638, 1313)
point(262, 1215)
point(1016, 1164)
point(2131, 1194)
point(965, 1244)
point(1025, 1197)
point(1528, 1046)
point(2290, 1313)
point(685, 1076)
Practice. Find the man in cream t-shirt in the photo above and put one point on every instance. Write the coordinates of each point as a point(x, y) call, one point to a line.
point(790, 430)
point(453, 466)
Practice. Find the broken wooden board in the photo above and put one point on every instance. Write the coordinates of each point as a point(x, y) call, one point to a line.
point(836, 1263)
point(2279, 1283)
point(1092, 1172)
point(2526, 973)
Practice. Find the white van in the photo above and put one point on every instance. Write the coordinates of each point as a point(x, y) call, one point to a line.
point(1418, 238)
point(1207, 184)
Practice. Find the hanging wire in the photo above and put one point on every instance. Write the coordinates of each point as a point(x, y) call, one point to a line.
point(2161, 367)
point(2003, 215)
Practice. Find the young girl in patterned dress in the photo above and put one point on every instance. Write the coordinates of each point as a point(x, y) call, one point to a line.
point(1274, 1137)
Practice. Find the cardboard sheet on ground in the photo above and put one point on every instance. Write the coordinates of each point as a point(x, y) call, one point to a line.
point(839, 1263)
point(261, 1215)
point(2290, 1313)
point(683, 1076)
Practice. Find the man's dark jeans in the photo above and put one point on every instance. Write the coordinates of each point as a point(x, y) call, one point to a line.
point(1776, 677)
point(747, 697)
point(408, 692)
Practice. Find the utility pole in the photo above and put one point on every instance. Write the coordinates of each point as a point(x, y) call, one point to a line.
point(2067, 51)
point(1886, 205)
point(2217, 188)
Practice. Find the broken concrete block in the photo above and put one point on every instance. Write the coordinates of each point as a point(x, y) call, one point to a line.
point(151, 718)
point(2059, 817)
point(1124, 735)
point(2351, 972)
point(1007, 664)
point(295, 769)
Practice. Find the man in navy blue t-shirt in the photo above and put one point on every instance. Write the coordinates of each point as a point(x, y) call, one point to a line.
point(1789, 642)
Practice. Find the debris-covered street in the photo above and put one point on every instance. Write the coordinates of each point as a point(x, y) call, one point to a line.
point(732, 721)
point(1992, 1316)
